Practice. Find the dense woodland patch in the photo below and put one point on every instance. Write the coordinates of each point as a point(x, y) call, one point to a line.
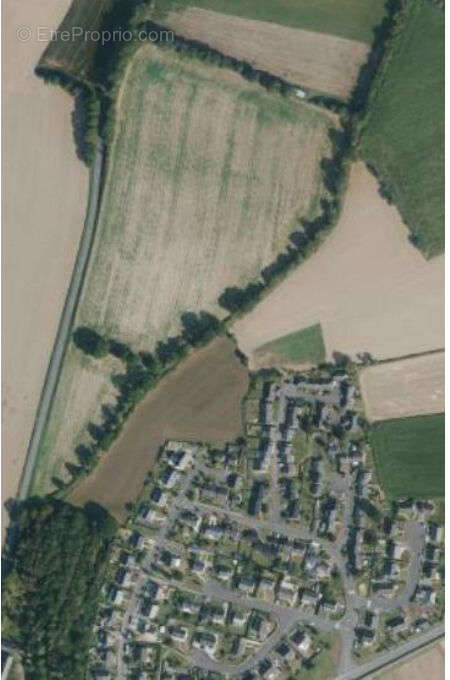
point(55, 563)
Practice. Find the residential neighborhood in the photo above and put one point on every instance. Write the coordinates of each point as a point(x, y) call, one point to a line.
point(266, 557)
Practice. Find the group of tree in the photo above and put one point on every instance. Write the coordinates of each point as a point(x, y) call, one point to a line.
point(55, 563)
point(200, 50)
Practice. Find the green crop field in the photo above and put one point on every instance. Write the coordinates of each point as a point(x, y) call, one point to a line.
point(352, 19)
point(403, 136)
point(305, 346)
point(410, 456)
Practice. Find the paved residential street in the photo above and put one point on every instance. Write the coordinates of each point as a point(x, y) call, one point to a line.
point(333, 549)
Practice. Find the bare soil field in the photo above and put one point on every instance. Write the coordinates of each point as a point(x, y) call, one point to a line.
point(199, 401)
point(316, 61)
point(367, 285)
point(45, 193)
point(407, 387)
point(430, 665)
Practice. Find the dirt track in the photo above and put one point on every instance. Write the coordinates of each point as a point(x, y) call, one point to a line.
point(408, 387)
point(315, 60)
point(45, 193)
point(367, 285)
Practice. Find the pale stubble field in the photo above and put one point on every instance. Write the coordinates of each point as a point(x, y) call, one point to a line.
point(368, 286)
point(45, 193)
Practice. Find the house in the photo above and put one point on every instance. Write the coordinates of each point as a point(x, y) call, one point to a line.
point(329, 606)
point(425, 595)
point(264, 667)
point(198, 567)
point(136, 540)
point(213, 532)
point(179, 459)
point(205, 641)
point(239, 618)
point(435, 532)
point(116, 596)
point(285, 652)
point(152, 590)
point(191, 519)
point(123, 577)
point(152, 517)
point(159, 497)
point(246, 584)
point(288, 592)
point(259, 627)
point(153, 612)
point(190, 607)
point(222, 572)
point(396, 624)
point(302, 642)
point(266, 587)
point(169, 477)
point(179, 633)
point(364, 636)
point(169, 559)
point(309, 598)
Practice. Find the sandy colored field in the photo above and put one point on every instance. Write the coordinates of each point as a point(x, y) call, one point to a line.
point(207, 177)
point(313, 60)
point(199, 401)
point(367, 285)
point(44, 198)
point(430, 665)
point(407, 387)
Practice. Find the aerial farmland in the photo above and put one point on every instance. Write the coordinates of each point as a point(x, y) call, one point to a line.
point(171, 252)
point(236, 468)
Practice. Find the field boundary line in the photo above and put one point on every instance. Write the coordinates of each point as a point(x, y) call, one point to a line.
point(405, 651)
point(65, 323)
point(404, 357)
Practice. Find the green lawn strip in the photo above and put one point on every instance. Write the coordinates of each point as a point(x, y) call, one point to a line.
point(403, 135)
point(352, 19)
point(410, 456)
point(302, 346)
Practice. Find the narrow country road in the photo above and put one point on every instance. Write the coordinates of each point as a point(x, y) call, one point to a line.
point(65, 324)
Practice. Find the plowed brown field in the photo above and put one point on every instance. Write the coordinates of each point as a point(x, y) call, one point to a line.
point(199, 401)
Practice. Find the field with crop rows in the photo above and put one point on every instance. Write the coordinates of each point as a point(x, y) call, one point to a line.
point(208, 176)
point(410, 456)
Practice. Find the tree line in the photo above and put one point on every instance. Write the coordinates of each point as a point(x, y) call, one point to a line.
point(195, 48)
point(142, 371)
